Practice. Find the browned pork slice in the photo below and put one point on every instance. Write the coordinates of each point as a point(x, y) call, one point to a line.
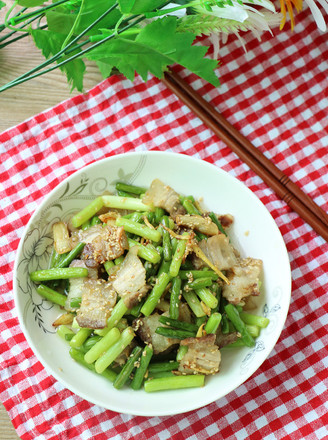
point(130, 282)
point(226, 220)
point(98, 300)
point(201, 224)
point(244, 280)
point(145, 328)
point(219, 251)
point(76, 284)
point(163, 196)
point(103, 243)
point(203, 356)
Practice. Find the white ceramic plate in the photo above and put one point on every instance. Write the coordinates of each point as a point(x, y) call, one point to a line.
point(254, 234)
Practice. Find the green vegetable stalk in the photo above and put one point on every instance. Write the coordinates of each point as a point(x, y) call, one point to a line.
point(114, 351)
point(178, 303)
point(141, 371)
point(77, 355)
point(174, 383)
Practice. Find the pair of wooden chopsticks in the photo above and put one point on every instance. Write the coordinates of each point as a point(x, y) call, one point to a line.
point(260, 164)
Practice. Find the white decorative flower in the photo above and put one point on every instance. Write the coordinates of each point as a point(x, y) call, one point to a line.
point(256, 16)
point(238, 11)
point(255, 23)
point(317, 14)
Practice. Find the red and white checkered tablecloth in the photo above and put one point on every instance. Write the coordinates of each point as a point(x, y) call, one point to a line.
point(276, 94)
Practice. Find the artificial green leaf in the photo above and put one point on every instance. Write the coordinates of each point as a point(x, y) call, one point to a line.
point(94, 9)
point(74, 71)
point(179, 48)
point(105, 67)
point(60, 21)
point(30, 3)
point(209, 24)
point(2, 4)
point(141, 6)
point(50, 44)
point(71, 4)
point(130, 57)
point(157, 46)
point(126, 6)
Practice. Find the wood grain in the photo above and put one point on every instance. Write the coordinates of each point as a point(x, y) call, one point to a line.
point(36, 95)
point(7, 431)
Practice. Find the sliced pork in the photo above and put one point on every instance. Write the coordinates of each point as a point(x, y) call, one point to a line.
point(103, 243)
point(62, 241)
point(226, 220)
point(203, 356)
point(219, 251)
point(76, 284)
point(244, 280)
point(98, 300)
point(163, 196)
point(130, 282)
point(145, 328)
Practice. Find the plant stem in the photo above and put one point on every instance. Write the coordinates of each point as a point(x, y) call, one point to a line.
point(174, 383)
point(3, 26)
point(140, 373)
point(88, 212)
point(51, 295)
point(115, 350)
point(138, 229)
point(13, 40)
point(128, 367)
point(74, 26)
point(77, 355)
point(118, 202)
point(30, 74)
point(117, 314)
point(26, 77)
point(25, 34)
point(146, 252)
point(155, 294)
point(58, 274)
point(80, 337)
point(13, 32)
point(102, 345)
point(13, 6)
point(16, 20)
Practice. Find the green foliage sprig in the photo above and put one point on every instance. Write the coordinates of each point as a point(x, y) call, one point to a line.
point(130, 36)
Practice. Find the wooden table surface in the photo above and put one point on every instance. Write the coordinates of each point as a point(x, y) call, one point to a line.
point(22, 102)
point(32, 97)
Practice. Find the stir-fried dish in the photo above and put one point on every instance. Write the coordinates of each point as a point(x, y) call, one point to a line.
point(151, 289)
